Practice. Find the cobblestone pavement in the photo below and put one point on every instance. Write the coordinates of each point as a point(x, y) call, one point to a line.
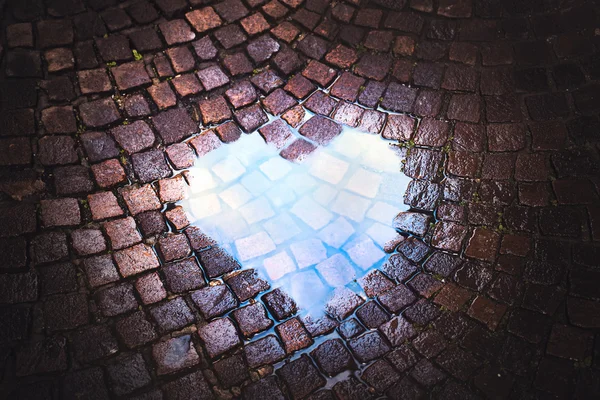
point(107, 291)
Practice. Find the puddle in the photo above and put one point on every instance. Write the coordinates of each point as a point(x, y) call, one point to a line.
point(308, 227)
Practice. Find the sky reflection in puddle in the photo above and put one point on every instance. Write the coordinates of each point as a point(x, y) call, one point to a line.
point(308, 227)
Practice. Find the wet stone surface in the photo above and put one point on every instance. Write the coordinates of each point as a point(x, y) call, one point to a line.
point(201, 201)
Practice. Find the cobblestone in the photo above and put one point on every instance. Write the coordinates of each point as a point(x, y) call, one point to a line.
point(487, 291)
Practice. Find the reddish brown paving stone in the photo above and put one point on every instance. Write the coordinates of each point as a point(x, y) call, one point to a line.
point(372, 94)
point(276, 133)
point(278, 101)
point(181, 58)
point(313, 46)
point(372, 315)
point(150, 166)
point(174, 314)
point(98, 113)
point(72, 179)
point(99, 146)
point(251, 118)
point(176, 31)
point(163, 95)
point(231, 10)
point(135, 330)
point(214, 300)
point(298, 150)
point(448, 236)
point(122, 233)
point(177, 217)
point(19, 35)
point(174, 125)
point(306, 18)
point(183, 276)
point(204, 48)
point(294, 116)
point(319, 73)
point(151, 223)
point(219, 336)
point(173, 247)
point(212, 78)
point(263, 351)
point(171, 190)
point(59, 120)
point(397, 330)
point(347, 114)
point(246, 283)
point(100, 270)
point(483, 245)
point(332, 357)
point(108, 173)
point(230, 36)
point(299, 86)
point(255, 24)
point(136, 106)
point(432, 133)
point(373, 66)
point(114, 48)
point(398, 127)
point(214, 110)
point(426, 285)
point(369, 346)
point(228, 132)
point(206, 142)
point(372, 121)
point(60, 212)
point(135, 260)
point(203, 19)
point(404, 46)
point(342, 303)
point(285, 31)
point(343, 12)
point(473, 275)
point(130, 75)
point(375, 283)
point(380, 375)
point(88, 241)
point(341, 56)
point(430, 343)
point(267, 81)
point(347, 87)
point(150, 288)
point(275, 9)
point(134, 137)
point(320, 103)
point(238, 64)
point(145, 40)
point(397, 298)
point(116, 300)
point(321, 130)
point(180, 155)
point(487, 311)
point(163, 66)
point(232, 371)
point(186, 85)
point(56, 150)
point(59, 59)
point(262, 49)
point(252, 319)
point(140, 199)
point(241, 94)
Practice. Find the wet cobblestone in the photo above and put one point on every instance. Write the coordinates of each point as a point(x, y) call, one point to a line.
point(107, 290)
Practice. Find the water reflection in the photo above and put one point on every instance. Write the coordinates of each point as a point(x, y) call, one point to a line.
point(309, 227)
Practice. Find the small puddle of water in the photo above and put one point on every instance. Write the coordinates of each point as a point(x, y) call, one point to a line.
point(308, 227)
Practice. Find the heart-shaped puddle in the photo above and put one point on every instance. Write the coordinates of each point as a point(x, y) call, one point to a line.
point(308, 227)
